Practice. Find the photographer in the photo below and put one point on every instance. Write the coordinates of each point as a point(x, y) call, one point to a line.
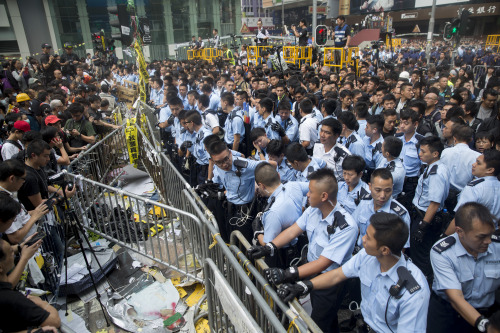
point(18, 312)
point(49, 63)
point(12, 177)
point(303, 33)
point(69, 61)
point(36, 188)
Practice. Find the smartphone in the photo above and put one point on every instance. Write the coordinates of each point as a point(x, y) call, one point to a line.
point(36, 238)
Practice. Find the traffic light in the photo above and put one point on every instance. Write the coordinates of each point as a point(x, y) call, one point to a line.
point(97, 41)
point(321, 36)
point(111, 44)
point(122, 22)
point(464, 22)
point(455, 26)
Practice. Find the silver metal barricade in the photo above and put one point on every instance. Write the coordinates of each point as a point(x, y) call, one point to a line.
point(225, 309)
point(102, 158)
point(239, 246)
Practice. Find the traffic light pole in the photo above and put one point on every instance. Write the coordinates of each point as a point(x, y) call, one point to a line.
point(430, 33)
point(315, 17)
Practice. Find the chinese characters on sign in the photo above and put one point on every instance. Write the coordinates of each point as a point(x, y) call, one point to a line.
point(483, 10)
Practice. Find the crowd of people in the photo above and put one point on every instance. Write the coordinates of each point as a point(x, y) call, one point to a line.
point(388, 172)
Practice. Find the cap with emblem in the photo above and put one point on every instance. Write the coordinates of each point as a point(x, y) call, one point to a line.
point(46, 46)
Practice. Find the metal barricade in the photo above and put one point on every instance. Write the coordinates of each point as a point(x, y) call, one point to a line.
point(303, 55)
point(148, 120)
point(225, 309)
point(157, 231)
point(210, 53)
point(194, 54)
point(105, 156)
point(289, 54)
point(239, 246)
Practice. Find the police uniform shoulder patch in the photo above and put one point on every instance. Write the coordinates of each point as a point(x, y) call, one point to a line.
point(310, 169)
point(353, 139)
point(411, 284)
point(433, 170)
point(288, 164)
point(444, 244)
point(475, 182)
point(391, 166)
point(340, 220)
point(418, 137)
point(364, 194)
point(397, 135)
point(397, 208)
point(495, 237)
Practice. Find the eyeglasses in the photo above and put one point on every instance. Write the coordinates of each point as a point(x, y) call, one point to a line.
point(223, 161)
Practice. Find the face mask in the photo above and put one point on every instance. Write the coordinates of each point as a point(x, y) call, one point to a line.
point(15, 94)
point(27, 120)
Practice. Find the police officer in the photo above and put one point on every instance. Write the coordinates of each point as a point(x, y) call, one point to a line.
point(466, 273)
point(431, 192)
point(234, 126)
point(200, 132)
point(289, 124)
point(282, 209)
point(373, 140)
point(349, 137)
point(409, 153)
point(49, 62)
point(391, 150)
point(276, 152)
point(328, 149)
point(331, 232)
point(485, 187)
point(395, 294)
point(352, 190)
point(168, 121)
point(69, 60)
point(266, 112)
point(380, 200)
point(303, 164)
point(459, 160)
point(236, 175)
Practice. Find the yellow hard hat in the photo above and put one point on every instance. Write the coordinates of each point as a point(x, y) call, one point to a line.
point(22, 97)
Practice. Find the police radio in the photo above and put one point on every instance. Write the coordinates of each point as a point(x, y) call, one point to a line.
point(239, 164)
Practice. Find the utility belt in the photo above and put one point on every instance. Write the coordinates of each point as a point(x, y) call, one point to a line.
point(486, 311)
point(231, 208)
point(411, 180)
point(441, 218)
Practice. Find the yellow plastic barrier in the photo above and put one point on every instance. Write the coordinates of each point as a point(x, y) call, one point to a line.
point(493, 41)
point(194, 54)
point(339, 57)
point(297, 54)
point(396, 42)
point(289, 54)
point(254, 53)
point(210, 53)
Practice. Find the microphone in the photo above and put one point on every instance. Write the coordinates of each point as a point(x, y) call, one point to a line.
point(57, 175)
point(404, 276)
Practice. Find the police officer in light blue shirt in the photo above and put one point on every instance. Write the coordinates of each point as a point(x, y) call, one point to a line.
point(387, 305)
point(485, 188)
point(380, 200)
point(266, 112)
point(352, 190)
point(349, 137)
point(459, 160)
point(234, 126)
point(331, 232)
point(426, 217)
point(289, 124)
point(236, 175)
point(199, 132)
point(303, 164)
point(373, 140)
point(283, 207)
point(466, 273)
point(391, 149)
point(276, 152)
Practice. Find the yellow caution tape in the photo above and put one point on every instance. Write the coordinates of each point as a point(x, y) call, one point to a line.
point(198, 292)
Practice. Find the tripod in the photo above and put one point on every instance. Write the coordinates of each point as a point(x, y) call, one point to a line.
point(78, 230)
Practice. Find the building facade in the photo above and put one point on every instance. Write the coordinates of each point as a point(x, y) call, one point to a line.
point(26, 24)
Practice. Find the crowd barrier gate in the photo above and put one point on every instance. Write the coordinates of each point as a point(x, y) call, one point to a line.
point(338, 57)
point(147, 227)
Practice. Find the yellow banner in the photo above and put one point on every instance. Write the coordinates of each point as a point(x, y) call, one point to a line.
point(143, 71)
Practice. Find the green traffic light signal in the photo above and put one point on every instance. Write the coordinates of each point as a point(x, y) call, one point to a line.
point(454, 30)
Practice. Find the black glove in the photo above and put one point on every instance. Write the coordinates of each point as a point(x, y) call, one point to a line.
point(277, 128)
point(257, 251)
point(288, 291)
point(278, 276)
point(482, 324)
point(185, 145)
point(422, 228)
point(257, 227)
point(170, 120)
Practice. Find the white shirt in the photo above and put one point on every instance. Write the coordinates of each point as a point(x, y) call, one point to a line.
point(308, 130)
point(9, 150)
point(211, 120)
point(332, 158)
